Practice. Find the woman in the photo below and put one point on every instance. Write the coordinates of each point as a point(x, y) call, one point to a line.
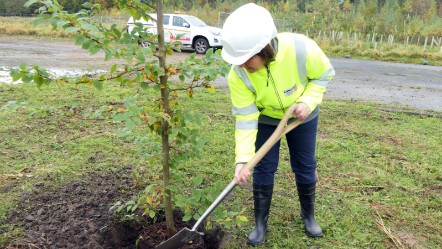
point(270, 73)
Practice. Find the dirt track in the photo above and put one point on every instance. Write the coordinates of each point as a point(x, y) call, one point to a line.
point(417, 87)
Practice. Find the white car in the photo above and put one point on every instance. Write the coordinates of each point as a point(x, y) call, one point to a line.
point(194, 33)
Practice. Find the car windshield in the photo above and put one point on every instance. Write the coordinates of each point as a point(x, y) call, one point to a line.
point(195, 21)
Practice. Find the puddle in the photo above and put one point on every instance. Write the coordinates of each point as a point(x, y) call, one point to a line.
point(5, 77)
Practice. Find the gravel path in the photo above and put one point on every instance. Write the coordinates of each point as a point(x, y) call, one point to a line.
point(417, 87)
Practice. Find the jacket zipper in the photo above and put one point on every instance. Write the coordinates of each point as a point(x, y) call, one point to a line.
point(269, 76)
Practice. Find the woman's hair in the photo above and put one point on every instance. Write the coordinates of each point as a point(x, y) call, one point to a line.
point(267, 54)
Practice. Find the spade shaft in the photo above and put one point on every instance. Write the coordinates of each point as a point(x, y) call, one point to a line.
point(186, 235)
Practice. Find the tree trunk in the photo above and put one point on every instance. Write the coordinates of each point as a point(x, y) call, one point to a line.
point(164, 123)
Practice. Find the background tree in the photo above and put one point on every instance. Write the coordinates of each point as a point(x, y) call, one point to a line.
point(431, 12)
point(346, 6)
point(370, 15)
point(13, 7)
point(390, 16)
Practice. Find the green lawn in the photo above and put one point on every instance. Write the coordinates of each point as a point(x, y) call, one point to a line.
point(380, 172)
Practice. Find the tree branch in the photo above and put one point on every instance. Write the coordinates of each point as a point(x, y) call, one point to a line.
point(149, 5)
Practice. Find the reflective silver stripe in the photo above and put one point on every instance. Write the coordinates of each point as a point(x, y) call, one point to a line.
point(325, 78)
point(245, 110)
point(246, 124)
point(301, 60)
point(243, 76)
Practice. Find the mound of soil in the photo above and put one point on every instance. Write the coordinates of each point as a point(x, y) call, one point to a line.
point(77, 216)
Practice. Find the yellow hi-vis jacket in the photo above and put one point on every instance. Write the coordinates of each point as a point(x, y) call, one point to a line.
point(299, 73)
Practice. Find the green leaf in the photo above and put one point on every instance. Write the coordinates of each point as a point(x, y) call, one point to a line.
point(27, 78)
point(94, 49)
point(196, 216)
point(107, 54)
point(116, 32)
point(61, 23)
point(144, 85)
point(198, 180)
point(187, 217)
point(119, 209)
point(23, 67)
point(152, 214)
point(71, 29)
point(87, 5)
point(134, 208)
point(242, 218)
point(38, 21)
point(38, 80)
point(87, 44)
point(79, 39)
point(30, 2)
point(140, 57)
point(15, 74)
point(172, 188)
point(161, 72)
point(169, 51)
point(90, 27)
point(98, 84)
point(113, 68)
point(53, 22)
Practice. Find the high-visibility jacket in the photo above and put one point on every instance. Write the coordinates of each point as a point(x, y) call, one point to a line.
point(299, 73)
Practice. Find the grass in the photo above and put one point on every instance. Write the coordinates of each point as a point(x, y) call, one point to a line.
point(23, 26)
point(397, 52)
point(380, 174)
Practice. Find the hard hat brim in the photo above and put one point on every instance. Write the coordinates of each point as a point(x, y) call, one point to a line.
point(235, 60)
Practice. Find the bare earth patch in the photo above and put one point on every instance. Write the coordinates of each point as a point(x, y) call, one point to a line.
point(77, 216)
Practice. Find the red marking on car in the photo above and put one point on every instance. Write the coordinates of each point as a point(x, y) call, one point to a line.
point(172, 37)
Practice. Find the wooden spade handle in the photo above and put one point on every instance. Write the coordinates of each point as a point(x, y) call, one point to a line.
point(280, 131)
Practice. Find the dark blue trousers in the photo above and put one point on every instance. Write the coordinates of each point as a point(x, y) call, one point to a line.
point(302, 144)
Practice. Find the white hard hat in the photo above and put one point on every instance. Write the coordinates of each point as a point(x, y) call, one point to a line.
point(246, 32)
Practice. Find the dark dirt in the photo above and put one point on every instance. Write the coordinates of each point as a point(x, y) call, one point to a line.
point(77, 216)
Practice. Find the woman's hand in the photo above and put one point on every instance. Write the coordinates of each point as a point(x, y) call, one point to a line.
point(301, 111)
point(241, 177)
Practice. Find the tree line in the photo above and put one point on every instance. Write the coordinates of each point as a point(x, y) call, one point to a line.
point(414, 6)
point(398, 17)
point(17, 6)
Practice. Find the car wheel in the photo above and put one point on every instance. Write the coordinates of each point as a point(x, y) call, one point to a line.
point(201, 45)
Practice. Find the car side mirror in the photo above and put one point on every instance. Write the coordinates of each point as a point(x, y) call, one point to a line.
point(186, 25)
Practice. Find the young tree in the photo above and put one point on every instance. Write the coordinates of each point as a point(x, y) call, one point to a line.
point(440, 9)
point(431, 12)
point(407, 7)
point(389, 17)
point(145, 67)
point(346, 6)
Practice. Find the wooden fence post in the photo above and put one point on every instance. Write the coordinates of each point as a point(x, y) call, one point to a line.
point(435, 41)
